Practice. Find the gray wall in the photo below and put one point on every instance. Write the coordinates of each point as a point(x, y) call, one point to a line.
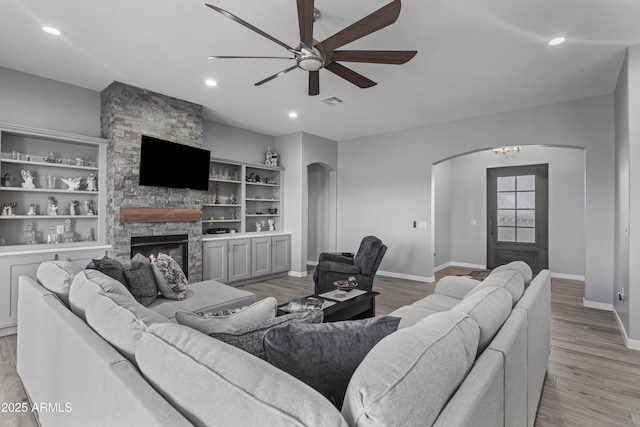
point(442, 194)
point(385, 180)
point(34, 101)
point(627, 236)
point(467, 202)
point(232, 143)
point(320, 200)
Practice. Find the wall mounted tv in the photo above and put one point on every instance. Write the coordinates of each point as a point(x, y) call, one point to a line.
point(167, 164)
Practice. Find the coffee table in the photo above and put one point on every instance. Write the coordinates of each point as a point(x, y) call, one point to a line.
point(359, 307)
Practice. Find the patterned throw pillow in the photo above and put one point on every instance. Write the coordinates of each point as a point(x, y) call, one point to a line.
point(171, 281)
point(140, 278)
point(230, 321)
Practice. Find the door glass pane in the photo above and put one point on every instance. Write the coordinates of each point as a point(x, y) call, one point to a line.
point(526, 218)
point(506, 183)
point(506, 234)
point(526, 200)
point(506, 200)
point(526, 235)
point(506, 217)
point(526, 183)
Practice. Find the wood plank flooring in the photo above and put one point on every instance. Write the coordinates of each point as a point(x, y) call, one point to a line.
point(592, 379)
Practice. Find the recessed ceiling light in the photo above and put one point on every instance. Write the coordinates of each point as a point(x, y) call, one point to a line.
point(293, 114)
point(557, 41)
point(211, 83)
point(51, 30)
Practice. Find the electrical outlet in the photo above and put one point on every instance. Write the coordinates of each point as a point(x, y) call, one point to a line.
point(621, 295)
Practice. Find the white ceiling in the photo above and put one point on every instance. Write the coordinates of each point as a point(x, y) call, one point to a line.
point(474, 57)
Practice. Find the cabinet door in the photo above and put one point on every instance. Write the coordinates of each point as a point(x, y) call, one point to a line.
point(280, 257)
point(239, 259)
point(215, 261)
point(261, 259)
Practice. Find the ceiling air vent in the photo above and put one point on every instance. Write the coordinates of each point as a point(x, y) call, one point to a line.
point(332, 100)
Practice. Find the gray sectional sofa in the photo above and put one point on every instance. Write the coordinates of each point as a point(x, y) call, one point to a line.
point(473, 353)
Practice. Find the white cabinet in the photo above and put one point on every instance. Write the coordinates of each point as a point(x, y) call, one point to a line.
point(239, 259)
point(242, 198)
point(14, 265)
point(51, 188)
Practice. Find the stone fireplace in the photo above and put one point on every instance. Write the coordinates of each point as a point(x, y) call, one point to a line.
point(127, 113)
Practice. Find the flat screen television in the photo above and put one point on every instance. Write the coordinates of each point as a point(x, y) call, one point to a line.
point(167, 164)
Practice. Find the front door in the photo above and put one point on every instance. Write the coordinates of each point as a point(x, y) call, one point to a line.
point(517, 216)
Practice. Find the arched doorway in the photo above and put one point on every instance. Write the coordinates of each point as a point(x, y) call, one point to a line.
point(321, 234)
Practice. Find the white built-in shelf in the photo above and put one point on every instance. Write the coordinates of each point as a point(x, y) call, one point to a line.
point(258, 215)
point(221, 220)
point(262, 200)
point(48, 164)
point(221, 205)
point(262, 184)
point(36, 217)
point(47, 190)
point(231, 181)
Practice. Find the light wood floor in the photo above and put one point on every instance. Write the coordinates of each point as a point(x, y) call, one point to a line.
point(592, 379)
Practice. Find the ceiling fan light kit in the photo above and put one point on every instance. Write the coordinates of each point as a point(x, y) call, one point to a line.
point(312, 55)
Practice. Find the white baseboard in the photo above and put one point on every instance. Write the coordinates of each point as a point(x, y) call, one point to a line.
point(406, 276)
point(297, 273)
point(314, 263)
point(461, 264)
point(567, 276)
point(597, 305)
point(628, 342)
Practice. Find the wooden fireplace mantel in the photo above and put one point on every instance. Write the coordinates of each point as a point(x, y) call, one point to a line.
point(132, 215)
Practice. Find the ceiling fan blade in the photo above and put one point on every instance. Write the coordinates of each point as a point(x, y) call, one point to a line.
point(374, 56)
point(382, 17)
point(268, 79)
point(350, 75)
point(305, 21)
point(249, 57)
point(249, 26)
point(314, 83)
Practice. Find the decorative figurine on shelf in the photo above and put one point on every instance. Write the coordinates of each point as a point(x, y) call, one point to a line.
point(51, 182)
point(67, 236)
point(7, 180)
point(52, 207)
point(29, 236)
point(88, 236)
point(73, 208)
point(233, 213)
point(9, 209)
point(91, 182)
point(258, 226)
point(272, 224)
point(28, 178)
point(272, 158)
point(52, 237)
point(88, 207)
point(73, 184)
point(2, 241)
point(233, 199)
point(32, 209)
point(217, 201)
point(51, 159)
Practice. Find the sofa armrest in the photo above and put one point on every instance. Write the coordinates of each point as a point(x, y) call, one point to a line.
point(455, 286)
point(338, 267)
point(334, 257)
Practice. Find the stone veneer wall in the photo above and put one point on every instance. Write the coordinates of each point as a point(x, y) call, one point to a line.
point(127, 113)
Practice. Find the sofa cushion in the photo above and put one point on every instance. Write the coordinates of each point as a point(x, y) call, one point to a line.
point(510, 280)
point(229, 321)
point(120, 321)
point(519, 266)
point(204, 296)
point(57, 276)
point(217, 384)
point(249, 339)
point(89, 283)
point(325, 355)
point(410, 375)
point(111, 267)
point(489, 308)
point(169, 277)
point(436, 302)
point(410, 315)
point(142, 284)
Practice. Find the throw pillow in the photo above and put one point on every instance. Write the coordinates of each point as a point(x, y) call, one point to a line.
point(169, 277)
point(111, 267)
point(57, 276)
point(325, 356)
point(250, 339)
point(141, 281)
point(229, 321)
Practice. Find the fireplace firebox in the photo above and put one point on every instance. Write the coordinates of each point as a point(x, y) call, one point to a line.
point(175, 245)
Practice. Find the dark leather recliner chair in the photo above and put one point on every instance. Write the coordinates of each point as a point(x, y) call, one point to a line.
point(332, 267)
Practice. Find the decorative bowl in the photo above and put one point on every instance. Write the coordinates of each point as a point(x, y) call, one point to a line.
point(273, 211)
point(345, 285)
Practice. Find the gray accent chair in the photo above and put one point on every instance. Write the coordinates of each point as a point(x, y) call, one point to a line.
point(332, 267)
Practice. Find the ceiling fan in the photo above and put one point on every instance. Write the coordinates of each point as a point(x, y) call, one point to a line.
point(312, 55)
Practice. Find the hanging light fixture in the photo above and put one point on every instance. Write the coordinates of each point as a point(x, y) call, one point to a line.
point(507, 152)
